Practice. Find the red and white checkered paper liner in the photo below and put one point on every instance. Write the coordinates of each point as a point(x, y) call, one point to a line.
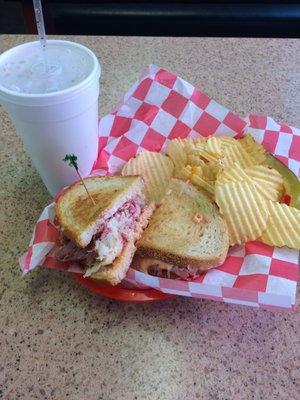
point(161, 106)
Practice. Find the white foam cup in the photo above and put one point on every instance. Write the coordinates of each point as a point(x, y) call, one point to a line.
point(57, 123)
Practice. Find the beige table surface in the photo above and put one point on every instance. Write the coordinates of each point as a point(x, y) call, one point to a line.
point(58, 341)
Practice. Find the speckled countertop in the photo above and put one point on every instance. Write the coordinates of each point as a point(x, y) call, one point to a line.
point(59, 341)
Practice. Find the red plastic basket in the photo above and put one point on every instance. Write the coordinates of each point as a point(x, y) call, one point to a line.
point(121, 293)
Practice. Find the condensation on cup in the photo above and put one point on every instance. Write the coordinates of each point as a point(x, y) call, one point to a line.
point(52, 98)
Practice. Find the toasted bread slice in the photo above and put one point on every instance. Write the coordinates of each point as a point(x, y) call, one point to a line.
point(186, 229)
point(79, 219)
point(115, 272)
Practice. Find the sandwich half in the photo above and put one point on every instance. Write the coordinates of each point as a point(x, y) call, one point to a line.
point(101, 238)
point(186, 235)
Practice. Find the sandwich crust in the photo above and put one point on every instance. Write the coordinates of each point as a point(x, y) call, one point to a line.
point(186, 229)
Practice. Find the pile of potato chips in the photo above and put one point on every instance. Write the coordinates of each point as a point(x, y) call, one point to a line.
point(235, 174)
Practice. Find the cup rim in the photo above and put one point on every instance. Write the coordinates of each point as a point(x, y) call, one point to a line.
point(19, 95)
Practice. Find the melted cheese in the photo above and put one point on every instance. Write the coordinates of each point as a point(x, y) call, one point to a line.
point(144, 263)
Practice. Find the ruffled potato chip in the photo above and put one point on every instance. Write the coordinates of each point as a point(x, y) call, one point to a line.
point(232, 174)
point(226, 141)
point(206, 150)
point(194, 174)
point(190, 146)
point(155, 168)
point(244, 210)
point(176, 151)
point(212, 169)
point(209, 157)
point(213, 145)
point(189, 170)
point(237, 154)
point(283, 226)
point(256, 150)
point(194, 159)
point(269, 181)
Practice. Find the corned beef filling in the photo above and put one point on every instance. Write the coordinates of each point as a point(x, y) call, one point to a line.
point(108, 242)
point(188, 273)
point(162, 269)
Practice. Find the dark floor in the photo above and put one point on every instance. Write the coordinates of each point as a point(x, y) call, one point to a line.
point(11, 20)
point(259, 18)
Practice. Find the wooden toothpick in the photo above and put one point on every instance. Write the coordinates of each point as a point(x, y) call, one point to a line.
point(72, 160)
